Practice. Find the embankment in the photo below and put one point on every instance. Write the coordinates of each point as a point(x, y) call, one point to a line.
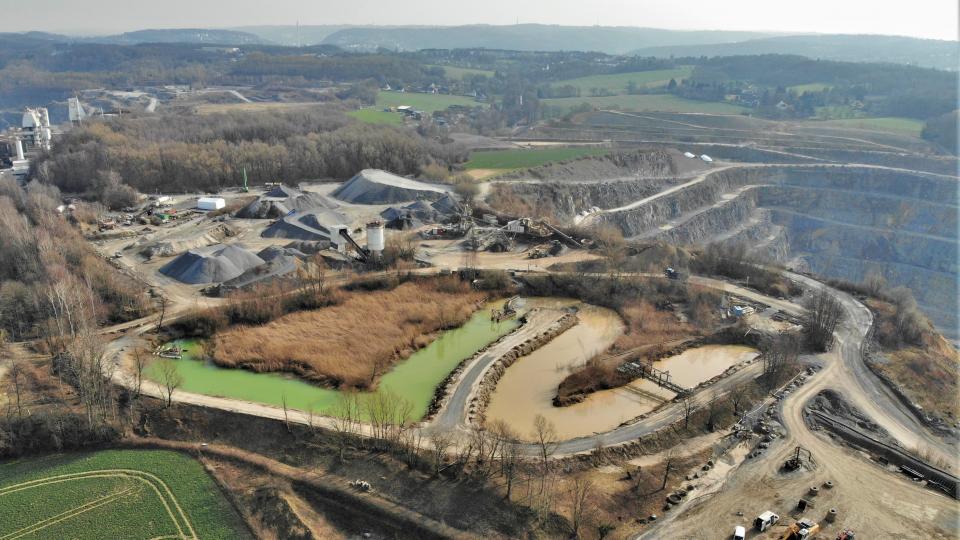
point(496, 370)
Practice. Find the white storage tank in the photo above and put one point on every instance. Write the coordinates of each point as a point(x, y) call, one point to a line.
point(375, 238)
point(211, 203)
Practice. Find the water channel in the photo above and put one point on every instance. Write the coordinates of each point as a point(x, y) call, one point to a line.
point(413, 379)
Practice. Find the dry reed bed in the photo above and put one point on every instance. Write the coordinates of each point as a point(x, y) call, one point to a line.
point(351, 344)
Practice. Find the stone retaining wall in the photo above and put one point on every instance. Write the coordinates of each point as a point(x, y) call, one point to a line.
point(488, 384)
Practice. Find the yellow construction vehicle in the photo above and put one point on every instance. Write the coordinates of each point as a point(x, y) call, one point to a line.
point(801, 530)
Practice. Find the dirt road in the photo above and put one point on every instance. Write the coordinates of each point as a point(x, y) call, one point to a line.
point(874, 502)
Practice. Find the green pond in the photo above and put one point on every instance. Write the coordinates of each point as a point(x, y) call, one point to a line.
point(413, 379)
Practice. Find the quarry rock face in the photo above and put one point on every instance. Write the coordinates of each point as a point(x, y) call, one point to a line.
point(844, 222)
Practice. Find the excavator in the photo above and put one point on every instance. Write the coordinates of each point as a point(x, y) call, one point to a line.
point(801, 530)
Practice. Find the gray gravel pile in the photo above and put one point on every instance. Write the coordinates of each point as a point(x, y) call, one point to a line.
point(282, 200)
point(373, 186)
point(212, 264)
point(318, 224)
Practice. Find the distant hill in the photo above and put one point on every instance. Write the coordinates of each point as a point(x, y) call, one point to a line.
point(291, 36)
point(184, 35)
point(170, 35)
point(526, 37)
point(850, 48)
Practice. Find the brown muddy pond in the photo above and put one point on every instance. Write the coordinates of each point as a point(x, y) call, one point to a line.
point(528, 386)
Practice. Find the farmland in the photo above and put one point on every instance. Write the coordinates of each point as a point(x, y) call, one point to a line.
point(905, 126)
point(617, 82)
point(377, 116)
point(644, 102)
point(810, 87)
point(520, 159)
point(425, 102)
point(454, 72)
point(114, 494)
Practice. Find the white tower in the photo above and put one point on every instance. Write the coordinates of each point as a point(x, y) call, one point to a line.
point(75, 109)
point(375, 238)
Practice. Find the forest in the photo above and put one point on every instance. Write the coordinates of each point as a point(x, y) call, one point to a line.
point(49, 269)
point(188, 153)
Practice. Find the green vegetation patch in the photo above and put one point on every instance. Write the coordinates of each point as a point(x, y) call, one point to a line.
point(114, 494)
point(377, 116)
point(617, 83)
point(810, 87)
point(647, 102)
point(422, 102)
point(521, 159)
point(903, 126)
point(454, 72)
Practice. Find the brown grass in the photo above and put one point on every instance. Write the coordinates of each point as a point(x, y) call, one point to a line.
point(351, 344)
point(926, 372)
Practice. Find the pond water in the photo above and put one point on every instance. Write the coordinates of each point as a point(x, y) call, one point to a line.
point(413, 379)
point(529, 385)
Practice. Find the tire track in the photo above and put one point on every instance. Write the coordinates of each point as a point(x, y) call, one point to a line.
point(166, 497)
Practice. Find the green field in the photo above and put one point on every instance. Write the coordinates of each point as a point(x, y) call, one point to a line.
point(413, 379)
point(617, 82)
point(423, 102)
point(521, 159)
point(648, 102)
point(114, 494)
point(453, 72)
point(904, 126)
point(377, 116)
point(811, 87)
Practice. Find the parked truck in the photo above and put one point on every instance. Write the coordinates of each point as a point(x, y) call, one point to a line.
point(765, 520)
point(801, 530)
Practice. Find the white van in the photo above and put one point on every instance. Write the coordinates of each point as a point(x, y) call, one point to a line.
point(765, 521)
point(739, 533)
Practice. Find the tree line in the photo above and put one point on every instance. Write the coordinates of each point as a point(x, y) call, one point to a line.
point(179, 153)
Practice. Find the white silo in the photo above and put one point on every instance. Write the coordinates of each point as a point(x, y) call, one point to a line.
point(375, 238)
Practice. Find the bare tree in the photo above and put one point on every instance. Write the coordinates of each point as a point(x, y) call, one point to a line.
point(823, 315)
point(140, 363)
point(286, 414)
point(778, 353)
point(346, 419)
point(440, 443)
point(510, 453)
point(170, 378)
point(668, 466)
point(163, 311)
point(713, 411)
point(545, 435)
point(16, 381)
point(579, 499)
point(738, 396)
point(687, 404)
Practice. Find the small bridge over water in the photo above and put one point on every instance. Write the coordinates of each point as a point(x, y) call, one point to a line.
point(660, 377)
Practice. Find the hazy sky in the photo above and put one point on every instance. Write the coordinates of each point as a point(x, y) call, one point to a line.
point(920, 18)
